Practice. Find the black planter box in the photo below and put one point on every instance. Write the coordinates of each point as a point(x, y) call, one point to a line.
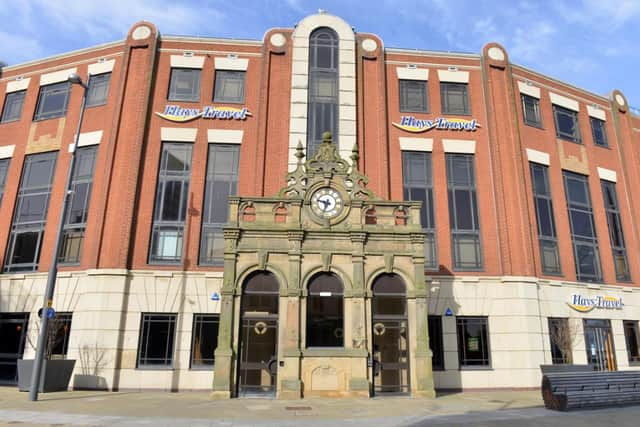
point(57, 374)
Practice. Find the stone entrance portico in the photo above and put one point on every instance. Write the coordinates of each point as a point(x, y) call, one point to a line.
point(356, 239)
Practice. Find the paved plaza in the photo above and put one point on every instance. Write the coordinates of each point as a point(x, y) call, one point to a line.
point(92, 408)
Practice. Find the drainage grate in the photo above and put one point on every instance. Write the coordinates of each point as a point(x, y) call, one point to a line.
point(298, 408)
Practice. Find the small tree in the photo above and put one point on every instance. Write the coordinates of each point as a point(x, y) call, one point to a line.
point(563, 333)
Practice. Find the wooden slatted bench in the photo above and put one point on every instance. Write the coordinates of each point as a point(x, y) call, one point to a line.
point(564, 391)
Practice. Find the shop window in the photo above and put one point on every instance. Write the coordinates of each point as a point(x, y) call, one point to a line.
point(325, 311)
point(632, 337)
point(157, 335)
point(583, 230)
point(172, 193)
point(4, 168)
point(60, 331)
point(567, 124)
point(417, 183)
point(413, 96)
point(599, 132)
point(322, 110)
point(221, 182)
point(184, 84)
point(435, 342)
point(229, 86)
point(12, 109)
point(531, 110)
point(205, 340)
point(98, 91)
point(547, 237)
point(30, 215)
point(454, 98)
point(52, 101)
point(560, 338)
point(616, 235)
point(463, 212)
point(75, 218)
point(473, 342)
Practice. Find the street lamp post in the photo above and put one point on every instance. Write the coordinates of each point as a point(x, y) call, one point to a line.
point(53, 270)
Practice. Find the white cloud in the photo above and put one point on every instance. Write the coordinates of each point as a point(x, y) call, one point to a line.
point(18, 48)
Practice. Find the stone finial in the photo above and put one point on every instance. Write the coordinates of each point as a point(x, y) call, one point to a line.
point(355, 154)
point(299, 152)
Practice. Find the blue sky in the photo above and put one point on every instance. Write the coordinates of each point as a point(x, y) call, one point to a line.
point(592, 44)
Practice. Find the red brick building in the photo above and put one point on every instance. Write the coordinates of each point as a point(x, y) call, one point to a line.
point(529, 215)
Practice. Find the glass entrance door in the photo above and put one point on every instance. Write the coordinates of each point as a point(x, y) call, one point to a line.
point(390, 335)
point(599, 341)
point(258, 361)
point(390, 356)
point(13, 332)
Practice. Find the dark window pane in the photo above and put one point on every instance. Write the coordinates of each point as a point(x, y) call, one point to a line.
point(464, 217)
point(455, 98)
point(473, 342)
point(582, 225)
point(184, 84)
point(616, 235)
point(205, 340)
point(26, 247)
point(435, 342)
point(229, 86)
point(413, 96)
point(4, 170)
point(561, 338)
point(13, 106)
point(599, 132)
point(170, 209)
point(632, 339)
point(531, 109)
point(222, 178)
point(98, 90)
point(156, 340)
point(566, 124)
point(59, 333)
point(325, 311)
point(52, 101)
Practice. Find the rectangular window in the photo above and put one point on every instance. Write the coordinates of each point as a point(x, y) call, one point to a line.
point(632, 337)
point(157, 335)
point(184, 84)
point(547, 238)
point(435, 343)
point(98, 91)
point(463, 212)
point(567, 124)
point(599, 132)
point(4, 169)
point(222, 182)
point(30, 215)
point(560, 338)
point(418, 185)
point(59, 333)
point(531, 110)
point(583, 230)
point(170, 210)
point(455, 98)
point(52, 101)
point(473, 342)
point(12, 109)
point(75, 216)
point(615, 231)
point(229, 86)
point(413, 96)
point(205, 340)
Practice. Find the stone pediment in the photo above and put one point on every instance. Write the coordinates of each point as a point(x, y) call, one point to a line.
point(326, 167)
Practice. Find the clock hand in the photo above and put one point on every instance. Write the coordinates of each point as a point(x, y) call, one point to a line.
point(324, 202)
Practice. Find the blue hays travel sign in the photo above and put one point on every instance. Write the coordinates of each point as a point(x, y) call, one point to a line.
point(176, 113)
point(412, 124)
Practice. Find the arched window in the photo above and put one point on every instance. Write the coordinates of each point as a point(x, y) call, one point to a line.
point(260, 293)
point(325, 311)
point(322, 113)
point(389, 296)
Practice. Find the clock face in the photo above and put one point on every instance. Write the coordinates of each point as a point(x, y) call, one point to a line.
point(326, 202)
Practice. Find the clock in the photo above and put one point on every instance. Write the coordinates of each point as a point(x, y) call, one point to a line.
point(326, 203)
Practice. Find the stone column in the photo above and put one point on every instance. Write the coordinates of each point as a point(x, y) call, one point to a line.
point(290, 385)
point(223, 381)
point(358, 383)
point(422, 353)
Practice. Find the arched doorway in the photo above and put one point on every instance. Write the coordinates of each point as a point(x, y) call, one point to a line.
point(390, 335)
point(257, 355)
